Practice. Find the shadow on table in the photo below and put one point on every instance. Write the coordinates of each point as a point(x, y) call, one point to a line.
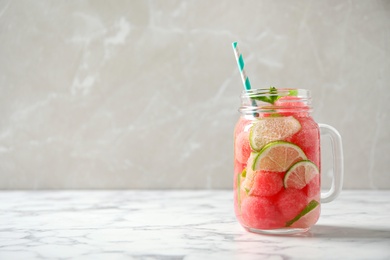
point(326, 231)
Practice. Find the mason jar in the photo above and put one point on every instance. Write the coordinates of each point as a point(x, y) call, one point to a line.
point(277, 162)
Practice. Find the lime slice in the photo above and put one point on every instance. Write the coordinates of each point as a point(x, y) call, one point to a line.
point(278, 156)
point(300, 174)
point(240, 178)
point(270, 129)
point(310, 207)
point(249, 174)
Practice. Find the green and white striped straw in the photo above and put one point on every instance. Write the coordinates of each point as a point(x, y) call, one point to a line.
point(241, 67)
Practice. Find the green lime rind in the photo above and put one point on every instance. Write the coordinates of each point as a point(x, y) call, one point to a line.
point(293, 167)
point(275, 114)
point(255, 163)
point(243, 173)
point(238, 190)
point(252, 137)
point(311, 206)
point(251, 140)
point(249, 174)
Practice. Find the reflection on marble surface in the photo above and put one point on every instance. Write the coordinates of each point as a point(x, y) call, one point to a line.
point(144, 94)
point(180, 225)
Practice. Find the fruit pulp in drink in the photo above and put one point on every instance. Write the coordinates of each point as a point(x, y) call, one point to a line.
point(277, 171)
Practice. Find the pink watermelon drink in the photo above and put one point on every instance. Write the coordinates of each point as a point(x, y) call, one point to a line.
point(277, 162)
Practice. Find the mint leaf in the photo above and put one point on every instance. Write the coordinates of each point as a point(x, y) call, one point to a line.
point(271, 98)
point(273, 95)
point(264, 99)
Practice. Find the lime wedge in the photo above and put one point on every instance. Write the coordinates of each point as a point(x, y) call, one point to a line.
point(300, 174)
point(278, 156)
point(310, 207)
point(270, 129)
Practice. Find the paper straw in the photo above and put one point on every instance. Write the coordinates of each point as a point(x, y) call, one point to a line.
point(241, 67)
point(244, 77)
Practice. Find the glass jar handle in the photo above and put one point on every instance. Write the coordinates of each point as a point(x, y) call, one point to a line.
point(338, 163)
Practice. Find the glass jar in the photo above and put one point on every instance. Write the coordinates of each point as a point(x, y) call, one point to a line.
point(277, 162)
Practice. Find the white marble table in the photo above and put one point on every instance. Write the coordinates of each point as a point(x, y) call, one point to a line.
point(180, 225)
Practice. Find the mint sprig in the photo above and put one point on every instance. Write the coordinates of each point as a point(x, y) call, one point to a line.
point(273, 95)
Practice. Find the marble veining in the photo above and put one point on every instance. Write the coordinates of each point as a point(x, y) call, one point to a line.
point(180, 225)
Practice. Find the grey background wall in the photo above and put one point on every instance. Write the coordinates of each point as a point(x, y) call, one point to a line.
point(144, 94)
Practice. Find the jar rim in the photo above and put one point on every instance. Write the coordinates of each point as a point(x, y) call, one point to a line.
point(299, 92)
point(272, 100)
